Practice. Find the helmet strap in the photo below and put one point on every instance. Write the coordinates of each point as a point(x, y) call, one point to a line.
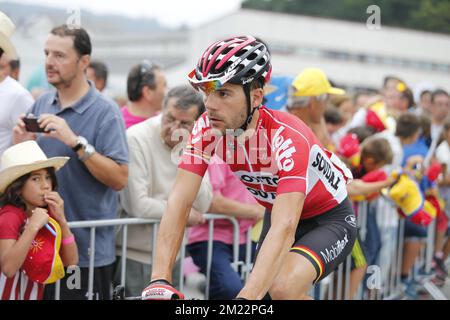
point(250, 112)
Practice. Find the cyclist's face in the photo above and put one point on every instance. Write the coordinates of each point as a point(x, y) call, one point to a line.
point(226, 107)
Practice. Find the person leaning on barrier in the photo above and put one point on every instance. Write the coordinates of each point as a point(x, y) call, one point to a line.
point(35, 239)
point(81, 123)
point(302, 212)
point(442, 245)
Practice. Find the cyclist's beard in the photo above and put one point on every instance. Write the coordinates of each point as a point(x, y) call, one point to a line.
point(237, 121)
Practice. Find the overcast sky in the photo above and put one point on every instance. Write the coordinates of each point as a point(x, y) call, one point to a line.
point(169, 12)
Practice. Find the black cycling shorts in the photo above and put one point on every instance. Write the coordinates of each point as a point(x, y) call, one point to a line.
point(325, 240)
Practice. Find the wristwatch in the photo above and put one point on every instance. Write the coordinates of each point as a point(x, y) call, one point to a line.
point(89, 150)
point(81, 143)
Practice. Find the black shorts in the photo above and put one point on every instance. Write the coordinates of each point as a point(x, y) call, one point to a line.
point(325, 240)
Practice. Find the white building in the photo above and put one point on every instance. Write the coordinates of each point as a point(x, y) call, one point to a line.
point(350, 53)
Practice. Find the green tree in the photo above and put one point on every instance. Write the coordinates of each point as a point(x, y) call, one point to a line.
point(428, 15)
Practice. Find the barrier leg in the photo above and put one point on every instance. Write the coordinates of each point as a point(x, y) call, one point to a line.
point(339, 282)
point(58, 290)
point(331, 287)
point(91, 265)
point(209, 257)
point(430, 246)
point(347, 277)
point(400, 238)
point(124, 256)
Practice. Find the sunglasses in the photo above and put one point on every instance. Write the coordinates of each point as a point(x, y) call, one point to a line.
point(208, 86)
point(145, 67)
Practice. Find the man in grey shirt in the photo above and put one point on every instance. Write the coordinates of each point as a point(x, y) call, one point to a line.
point(84, 125)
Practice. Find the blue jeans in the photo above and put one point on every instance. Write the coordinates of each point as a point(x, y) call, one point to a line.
point(372, 243)
point(225, 282)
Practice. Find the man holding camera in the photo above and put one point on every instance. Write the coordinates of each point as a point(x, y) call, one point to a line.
point(79, 122)
point(14, 99)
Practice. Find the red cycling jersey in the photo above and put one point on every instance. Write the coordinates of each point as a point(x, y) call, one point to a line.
point(282, 155)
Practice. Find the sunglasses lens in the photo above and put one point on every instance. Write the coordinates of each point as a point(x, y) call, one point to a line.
point(205, 87)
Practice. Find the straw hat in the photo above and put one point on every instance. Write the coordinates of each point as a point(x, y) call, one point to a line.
point(7, 28)
point(22, 159)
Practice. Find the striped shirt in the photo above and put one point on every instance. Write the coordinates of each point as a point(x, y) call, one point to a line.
point(19, 287)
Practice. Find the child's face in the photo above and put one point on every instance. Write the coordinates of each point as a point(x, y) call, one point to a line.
point(34, 189)
point(369, 164)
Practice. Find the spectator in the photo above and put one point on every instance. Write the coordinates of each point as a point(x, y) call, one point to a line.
point(389, 84)
point(308, 98)
point(29, 204)
point(439, 111)
point(152, 173)
point(82, 124)
point(14, 99)
point(399, 98)
point(408, 131)
point(333, 120)
point(7, 28)
point(361, 98)
point(10, 67)
point(97, 72)
point(276, 92)
point(146, 86)
point(425, 102)
point(375, 154)
point(344, 105)
point(442, 246)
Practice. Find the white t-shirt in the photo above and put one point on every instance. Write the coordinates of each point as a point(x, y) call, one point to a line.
point(443, 154)
point(436, 131)
point(14, 100)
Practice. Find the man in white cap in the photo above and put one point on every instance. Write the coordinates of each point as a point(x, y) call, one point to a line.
point(14, 99)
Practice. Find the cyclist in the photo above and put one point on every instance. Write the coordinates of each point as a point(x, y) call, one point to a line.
point(309, 225)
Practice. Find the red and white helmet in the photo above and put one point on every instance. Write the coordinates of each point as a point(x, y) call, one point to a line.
point(238, 60)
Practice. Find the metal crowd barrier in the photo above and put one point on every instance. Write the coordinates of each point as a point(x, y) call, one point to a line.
point(93, 225)
point(125, 222)
point(389, 262)
point(337, 285)
point(389, 259)
point(211, 218)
